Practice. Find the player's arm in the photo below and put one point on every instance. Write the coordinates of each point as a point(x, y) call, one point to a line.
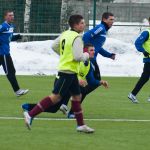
point(105, 53)
point(97, 30)
point(78, 50)
point(2, 28)
point(56, 45)
point(140, 41)
point(94, 82)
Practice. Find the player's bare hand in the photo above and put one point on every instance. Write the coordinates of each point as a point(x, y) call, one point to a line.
point(82, 83)
point(104, 83)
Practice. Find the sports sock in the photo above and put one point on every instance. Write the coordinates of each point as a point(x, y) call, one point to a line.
point(76, 107)
point(41, 106)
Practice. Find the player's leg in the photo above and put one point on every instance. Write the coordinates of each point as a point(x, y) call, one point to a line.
point(76, 107)
point(84, 92)
point(88, 89)
point(10, 72)
point(143, 79)
point(60, 89)
point(51, 109)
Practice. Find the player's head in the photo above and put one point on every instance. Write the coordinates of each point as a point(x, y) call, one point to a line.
point(90, 49)
point(9, 16)
point(77, 23)
point(108, 18)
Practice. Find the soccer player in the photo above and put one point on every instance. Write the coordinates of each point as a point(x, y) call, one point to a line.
point(86, 78)
point(71, 53)
point(97, 37)
point(6, 36)
point(87, 74)
point(142, 44)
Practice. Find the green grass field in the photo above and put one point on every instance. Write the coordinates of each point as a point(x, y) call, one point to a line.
point(109, 103)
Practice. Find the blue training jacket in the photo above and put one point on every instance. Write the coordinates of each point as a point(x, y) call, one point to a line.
point(97, 37)
point(90, 76)
point(139, 43)
point(6, 36)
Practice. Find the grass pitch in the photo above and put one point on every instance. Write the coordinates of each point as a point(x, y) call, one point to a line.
point(103, 103)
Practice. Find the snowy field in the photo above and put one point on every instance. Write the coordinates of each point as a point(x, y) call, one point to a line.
point(31, 58)
point(37, 58)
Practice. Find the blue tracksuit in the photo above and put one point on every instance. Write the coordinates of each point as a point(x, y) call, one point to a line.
point(97, 37)
point(6, 36)
point(139, 43)
point(92, 81)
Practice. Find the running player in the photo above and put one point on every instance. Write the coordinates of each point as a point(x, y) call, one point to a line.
point(71, 53)
point(86, 78)
point(97, 37)
point(142, 44)
point(6, 36)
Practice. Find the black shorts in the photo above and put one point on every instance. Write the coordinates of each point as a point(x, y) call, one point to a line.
point(66, 83)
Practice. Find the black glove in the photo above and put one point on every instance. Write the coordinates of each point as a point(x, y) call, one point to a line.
point(113, 55)
point(146, 54)
point(18, 36)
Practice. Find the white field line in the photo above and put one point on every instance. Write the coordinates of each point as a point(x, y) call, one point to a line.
point(65, 119)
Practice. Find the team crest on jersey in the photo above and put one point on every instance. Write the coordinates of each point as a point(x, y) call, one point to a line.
point(9, 30)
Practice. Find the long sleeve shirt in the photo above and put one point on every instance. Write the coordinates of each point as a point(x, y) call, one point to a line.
point(6, 34)
point(139, 43)
point(97, 37)
point(77, 48)
point(91, 80)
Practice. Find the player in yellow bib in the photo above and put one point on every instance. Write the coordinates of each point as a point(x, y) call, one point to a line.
point(142, 45)
point(87, 78)
point(70, 46)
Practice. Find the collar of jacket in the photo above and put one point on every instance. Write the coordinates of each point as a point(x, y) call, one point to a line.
point(105, 25)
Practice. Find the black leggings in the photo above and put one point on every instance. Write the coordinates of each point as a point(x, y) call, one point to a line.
point(143, 79)
point(8, 66)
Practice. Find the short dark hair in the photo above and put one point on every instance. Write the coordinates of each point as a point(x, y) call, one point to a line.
point(74, 19)
point(88, 45)
point(7, 11)
point(149, 19)
point(106, 15)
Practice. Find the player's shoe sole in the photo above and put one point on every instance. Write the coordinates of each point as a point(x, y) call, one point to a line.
point(85, 129)
point(28, 120)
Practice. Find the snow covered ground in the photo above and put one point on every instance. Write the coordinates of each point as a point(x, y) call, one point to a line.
point(37, 57)
point(32, 58)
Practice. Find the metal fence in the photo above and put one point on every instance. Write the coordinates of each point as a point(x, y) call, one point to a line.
point(50, 16)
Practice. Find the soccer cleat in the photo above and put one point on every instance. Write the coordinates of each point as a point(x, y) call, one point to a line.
point(28, 120)
point(132, 98)
point(21, 92)
point(70, 116)
point(85, 129)
point(25, 107)
point(148, 99)
point(64, 109)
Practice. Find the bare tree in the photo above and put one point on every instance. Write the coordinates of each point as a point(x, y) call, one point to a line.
point(64, 14)
point(27, 18)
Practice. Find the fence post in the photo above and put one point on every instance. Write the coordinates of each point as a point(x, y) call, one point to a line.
point(94, 13)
